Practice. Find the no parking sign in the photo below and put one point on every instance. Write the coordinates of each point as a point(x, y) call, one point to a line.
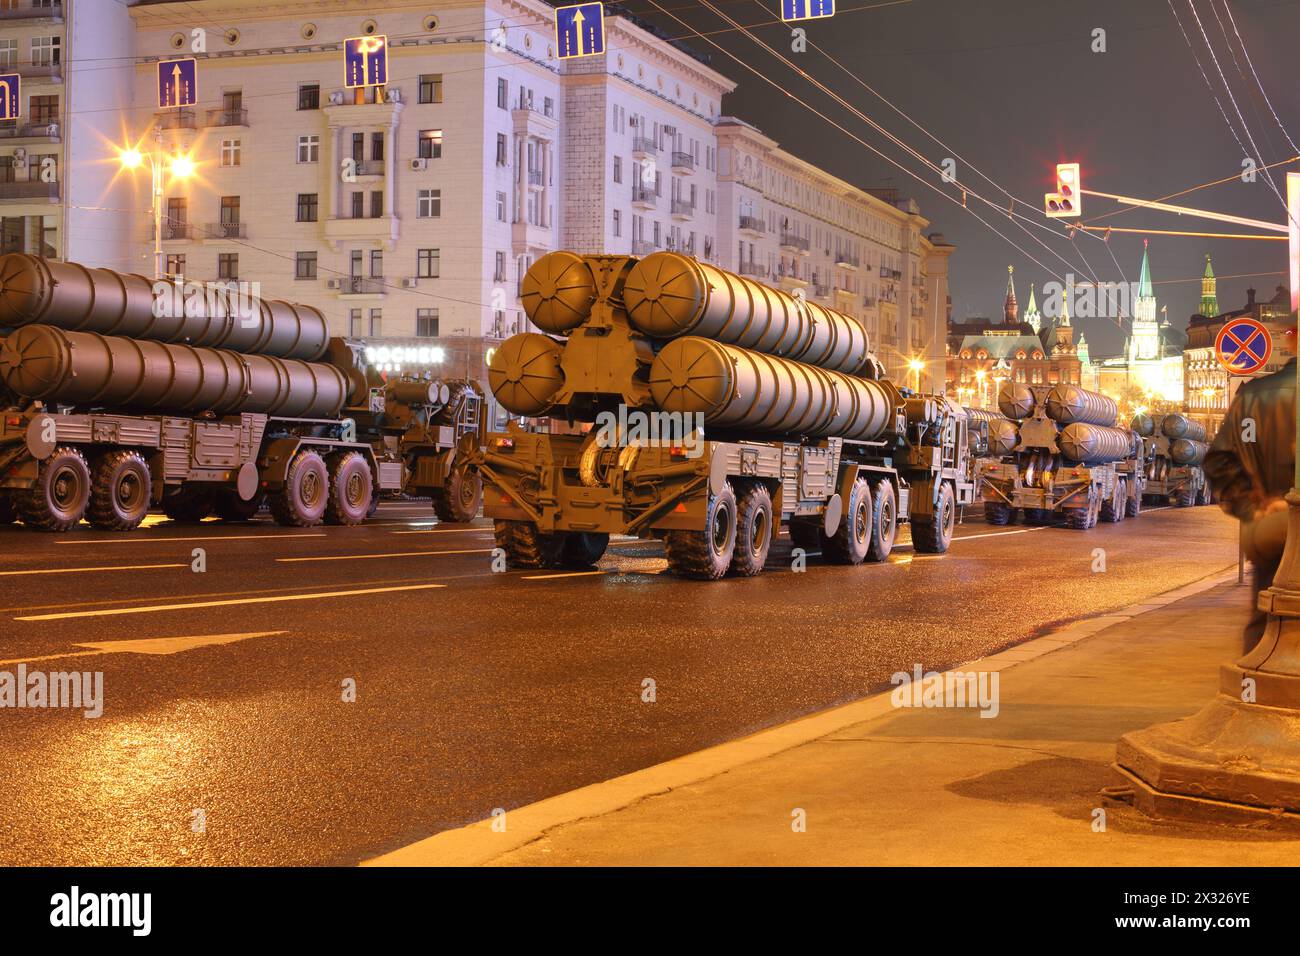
point(1243, 346)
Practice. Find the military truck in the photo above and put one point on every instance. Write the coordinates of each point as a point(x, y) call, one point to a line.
point(119, 397)
point(719, 411)
point(1063, 462)
point(1132, 470)
point(1176, 447)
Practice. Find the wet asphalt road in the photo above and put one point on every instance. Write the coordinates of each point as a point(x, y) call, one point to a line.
point(474, 690)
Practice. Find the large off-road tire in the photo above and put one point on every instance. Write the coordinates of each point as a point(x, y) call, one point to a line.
point(753, 531)
point(528, 548)
point(998, 513)
point(60, 495)
point(231, 507)
point(8, 513)
point(1204, 495)
point(351, 489)
point(884, 520)
point(852, 539)
point(120, 491)
point(301, 503)
point(706, 555)
point(1081, 519)
point(582, 549)
point(189, 505)
point(1184, 497)
point(934, 535)
point(1112, 510)
point(1039, 516)
point(462, 497)
point(1133, 506)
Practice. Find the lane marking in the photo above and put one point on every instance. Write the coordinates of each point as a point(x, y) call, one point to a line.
point(562, 574)
point(446, 531)
point(215, 537)
point(124, 567)
point(112, 612)
point(997, 534)
point(155, 646)
point(393, 554)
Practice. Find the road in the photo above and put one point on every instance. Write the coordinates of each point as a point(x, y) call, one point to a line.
point(474, 690)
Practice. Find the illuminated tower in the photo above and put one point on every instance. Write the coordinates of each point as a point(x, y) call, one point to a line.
point(1209, 290)
point(1032, 315)
point(1064, 333)
point(1144, 342)
point(1010, 310)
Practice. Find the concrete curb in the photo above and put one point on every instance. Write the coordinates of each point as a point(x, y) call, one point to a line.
point(479, 844)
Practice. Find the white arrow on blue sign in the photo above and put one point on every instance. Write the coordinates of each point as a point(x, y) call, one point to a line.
point(806, 9)
point(580, 30)
point(178, 82)
point(365, 61)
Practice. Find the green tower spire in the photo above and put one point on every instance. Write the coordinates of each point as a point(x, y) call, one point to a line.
point(1209, 290)
point(1144, 281)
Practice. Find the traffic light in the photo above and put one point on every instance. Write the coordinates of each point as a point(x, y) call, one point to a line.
point(1067, 201)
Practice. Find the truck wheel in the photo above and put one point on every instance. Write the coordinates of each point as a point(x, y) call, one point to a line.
point(753, 531)
point(885, 527)
point(998, 513)
point(852, 539)
point(582, 549)
point(302, 501)
point(461, 499)
point(231, 507)
point(351, 489)
point(121, 489)
point(1185, 497)
point(1203, 495)
point(61, 494)
point(1112, 510)
point(8, 514)
point(706, 554)
point(189, 504)
point(1078, 518)
point(932, 536)
point(1038, 516)
point(1133, 507)
point(526, 547)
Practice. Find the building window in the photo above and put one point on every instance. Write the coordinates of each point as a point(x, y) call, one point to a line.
point(376, 263)
point(308, 203)
point(229, 212)
point(304, 265)
point(377, 146)
point(503, 93)
point(309, 96)
point(309, 149)
point(230, 150)
point(45, 51)
point(376, 203)
point(228, 266)
point(8, 53)
point(618, 169)
point(430, 145)
point(618, 223)
point(431, 88)
point(354, 323)
point(44, 109)
point(428, 263)
point(358, 204)
point(499, 270)
point(426, 323)
point(429, 204)
point(501, 207)
point(176, 266)
point(376, 322)
point(501, 149)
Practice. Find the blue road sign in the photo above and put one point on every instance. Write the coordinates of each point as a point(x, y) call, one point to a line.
point(178, 82)
point(11, 101)
point(580, 30)
point(806, 9)
point(1243, 346)
point(365, 61)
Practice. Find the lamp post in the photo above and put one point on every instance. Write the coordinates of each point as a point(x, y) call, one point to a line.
point(182, 167)
point(916, 365)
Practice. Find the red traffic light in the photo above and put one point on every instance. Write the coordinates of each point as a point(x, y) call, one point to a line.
point(1064, 203)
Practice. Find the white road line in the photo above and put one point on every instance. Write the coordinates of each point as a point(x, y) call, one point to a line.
point(112, 612)
point(145, 539)
point(446, 531)
point(124, 567)
point(565, 574)
point(153, 646)
point(996, 534)
point(394, 554)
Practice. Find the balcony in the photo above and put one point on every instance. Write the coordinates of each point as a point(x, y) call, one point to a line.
point(369, 167)
point(793, 243)
point(175, 119)
point(358, 285)
point(222, 117)
point(751, 224)
point(33, 10)
point(821, 291)
point(846, 261)
point(175, 232)
point(642, 247)
point(868, 302)
point(753, 269)
point(531, 237)
point(644, 197)
point(683, 209)
point(643, 146)
point(683, 162)
point(28, 191)
point(339, 229)
point(226, 230)
point(535, 177)
point(47, 132)
point(40, 71)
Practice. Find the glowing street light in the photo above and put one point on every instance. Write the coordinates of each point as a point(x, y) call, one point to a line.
point(181, 167)
point(916, 365)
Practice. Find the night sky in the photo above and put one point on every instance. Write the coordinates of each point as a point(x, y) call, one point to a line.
point(1013, 87)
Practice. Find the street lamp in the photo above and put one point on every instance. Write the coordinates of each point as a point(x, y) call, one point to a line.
point(916, 365)
point(181, 167)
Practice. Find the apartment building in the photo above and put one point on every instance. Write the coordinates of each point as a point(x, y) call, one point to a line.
point(68, 117)
point(865, 253)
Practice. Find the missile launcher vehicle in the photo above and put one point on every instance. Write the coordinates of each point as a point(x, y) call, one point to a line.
point(1064, 460)
point(719, 410)
point(119, 396)
point(1175, 448)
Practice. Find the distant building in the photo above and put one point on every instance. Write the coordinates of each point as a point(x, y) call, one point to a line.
point(1150, 369)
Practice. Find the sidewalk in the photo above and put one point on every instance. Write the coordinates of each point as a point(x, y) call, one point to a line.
point(884, 786)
